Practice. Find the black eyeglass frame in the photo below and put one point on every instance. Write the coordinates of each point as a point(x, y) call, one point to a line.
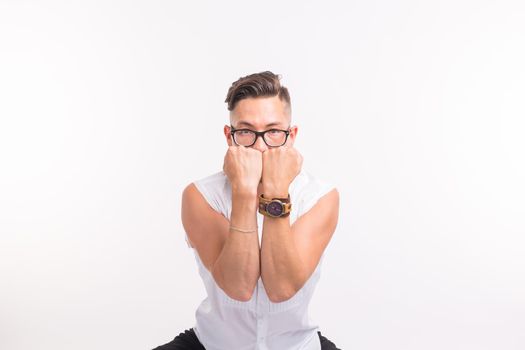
point(257, 134)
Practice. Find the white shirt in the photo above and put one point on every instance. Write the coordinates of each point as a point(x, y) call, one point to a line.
point(223, 323)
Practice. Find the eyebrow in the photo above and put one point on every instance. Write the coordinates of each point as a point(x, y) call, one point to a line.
point(252, 126)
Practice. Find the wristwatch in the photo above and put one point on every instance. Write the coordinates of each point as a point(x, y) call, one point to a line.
point(275, 207)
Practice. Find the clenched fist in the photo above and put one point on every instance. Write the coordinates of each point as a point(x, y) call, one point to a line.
point(243, 166)
point(280, 166)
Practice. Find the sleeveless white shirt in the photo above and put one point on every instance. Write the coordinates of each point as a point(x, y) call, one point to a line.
point(223, 323)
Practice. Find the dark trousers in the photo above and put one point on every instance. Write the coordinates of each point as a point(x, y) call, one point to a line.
point(189, 341)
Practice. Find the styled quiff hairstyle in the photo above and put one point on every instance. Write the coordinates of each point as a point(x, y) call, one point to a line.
point(263, 84)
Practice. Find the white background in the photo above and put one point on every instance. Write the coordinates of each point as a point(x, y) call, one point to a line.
point(413, 109)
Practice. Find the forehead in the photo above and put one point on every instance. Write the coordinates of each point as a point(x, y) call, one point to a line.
point(260, 112)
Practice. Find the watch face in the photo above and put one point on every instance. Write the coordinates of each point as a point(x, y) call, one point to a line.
point(274, 208)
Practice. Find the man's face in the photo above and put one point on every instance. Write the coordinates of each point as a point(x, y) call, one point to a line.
point(260, 114)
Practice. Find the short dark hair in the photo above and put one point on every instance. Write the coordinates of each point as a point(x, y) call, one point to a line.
point(263, 84)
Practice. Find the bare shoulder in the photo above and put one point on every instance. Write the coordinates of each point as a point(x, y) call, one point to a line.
point(205, 227)
point(331, 196)
point(314, 230)
point(325, 210)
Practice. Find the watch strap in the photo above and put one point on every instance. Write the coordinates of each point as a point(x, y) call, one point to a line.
point(268, 200)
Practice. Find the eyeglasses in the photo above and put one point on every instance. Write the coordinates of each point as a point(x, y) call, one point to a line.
point(247, 137)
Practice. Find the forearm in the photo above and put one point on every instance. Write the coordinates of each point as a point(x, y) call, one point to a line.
point(237, 268)
point(282, 271)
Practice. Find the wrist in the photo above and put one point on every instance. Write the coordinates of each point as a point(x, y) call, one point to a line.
point(274, 192)
point(244, 209)
point(279, 208)
point(244, 192)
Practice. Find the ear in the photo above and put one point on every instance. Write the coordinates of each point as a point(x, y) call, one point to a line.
point(227, 134)
point(293, 134)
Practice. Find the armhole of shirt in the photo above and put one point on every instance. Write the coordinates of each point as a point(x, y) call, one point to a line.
point(321, 188)
point(210, 199)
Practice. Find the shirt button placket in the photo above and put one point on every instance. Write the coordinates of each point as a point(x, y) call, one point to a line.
point(261, 319)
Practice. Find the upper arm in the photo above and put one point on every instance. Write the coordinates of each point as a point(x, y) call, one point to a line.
point(313, 230)
point(206, 229)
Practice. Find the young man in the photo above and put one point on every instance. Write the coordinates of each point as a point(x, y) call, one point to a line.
point(259, 229)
